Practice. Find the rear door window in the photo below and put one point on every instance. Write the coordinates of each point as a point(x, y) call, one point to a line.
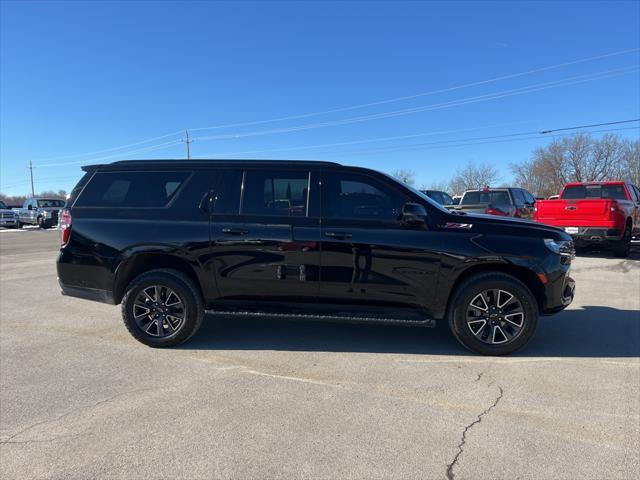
point(437, 196)
point(276, 193)
point(518, 196)
point(132, 189)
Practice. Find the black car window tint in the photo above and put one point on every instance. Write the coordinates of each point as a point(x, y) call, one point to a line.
point(276, 193)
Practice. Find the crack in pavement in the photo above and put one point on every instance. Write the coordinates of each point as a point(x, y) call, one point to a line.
point(75, 410)
point(463, 440)
point(45, 440)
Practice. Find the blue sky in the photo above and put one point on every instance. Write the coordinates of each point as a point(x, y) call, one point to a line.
point(78, 78)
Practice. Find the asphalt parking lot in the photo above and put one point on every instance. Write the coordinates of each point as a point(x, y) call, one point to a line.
point(253, 398)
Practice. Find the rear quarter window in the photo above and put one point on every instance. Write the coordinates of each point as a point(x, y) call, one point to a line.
point(132, 189)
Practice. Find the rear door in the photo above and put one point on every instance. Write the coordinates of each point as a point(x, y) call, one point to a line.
point(523, 202)
point(368, 257)
point(635, 197)
point(530, 202)
point(268, 249)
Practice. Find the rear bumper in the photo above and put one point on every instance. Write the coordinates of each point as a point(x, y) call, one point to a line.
point(591, 235)
point(94, 294)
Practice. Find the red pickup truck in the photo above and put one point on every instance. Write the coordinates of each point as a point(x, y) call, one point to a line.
point(595, 213)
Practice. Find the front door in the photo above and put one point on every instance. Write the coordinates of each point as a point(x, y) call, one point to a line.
point(368, 256)
point(270, 250)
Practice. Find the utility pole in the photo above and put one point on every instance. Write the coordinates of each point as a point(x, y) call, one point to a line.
point(187, 142)
point(33, 193)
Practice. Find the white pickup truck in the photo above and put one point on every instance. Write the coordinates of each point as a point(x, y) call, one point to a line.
point(39, 211)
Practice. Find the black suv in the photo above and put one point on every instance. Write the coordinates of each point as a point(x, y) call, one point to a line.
point(173, 239)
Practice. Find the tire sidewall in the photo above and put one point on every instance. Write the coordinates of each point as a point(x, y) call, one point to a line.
point(186, 295)
point(623, 248)
point(458, 320)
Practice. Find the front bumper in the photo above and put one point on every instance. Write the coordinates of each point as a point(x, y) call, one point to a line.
point(8, 222)
point(559, 287)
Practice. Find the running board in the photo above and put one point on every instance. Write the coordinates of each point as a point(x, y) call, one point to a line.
point(348, 318)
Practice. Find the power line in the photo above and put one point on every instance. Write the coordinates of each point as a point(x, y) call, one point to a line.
point(589, 126)
point(354, 107)
point(530, 135)
point(423, 134)
point(151, 148)
point(40, 181)
point(110, 149)
point(367, 140)
point(438, 106)
point(462, 143)
point(433, 92)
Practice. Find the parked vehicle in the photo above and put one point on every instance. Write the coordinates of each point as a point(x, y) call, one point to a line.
point(506, 202)
point(171, 240)
point(606, 213)
point(39, 211)
point(8, 218)
point(442, 198)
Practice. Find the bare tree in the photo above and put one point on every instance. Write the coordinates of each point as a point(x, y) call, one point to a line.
point(438, 186)
point(580, 158)
point(404, 175)
point(629, 166)
point(473, 176)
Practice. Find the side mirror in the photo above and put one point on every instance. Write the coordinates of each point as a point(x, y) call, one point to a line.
point(30, 207)
point(414, 215)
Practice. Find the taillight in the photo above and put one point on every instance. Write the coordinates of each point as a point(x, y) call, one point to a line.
point(65, 227)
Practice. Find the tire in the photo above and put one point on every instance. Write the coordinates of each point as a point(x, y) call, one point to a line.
point(158, 333)
point(622, 247)
point(20, 224)
point(41, 223)
point(502, 338)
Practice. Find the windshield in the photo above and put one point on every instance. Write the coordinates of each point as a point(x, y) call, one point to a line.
point(50, 203)
point(613, 192)
point(499, 197)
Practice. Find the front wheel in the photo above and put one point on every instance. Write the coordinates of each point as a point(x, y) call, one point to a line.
point(493, 314)
point(162, 308)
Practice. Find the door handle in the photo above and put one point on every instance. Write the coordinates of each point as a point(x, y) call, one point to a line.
point(234, 231)
point(338, 235)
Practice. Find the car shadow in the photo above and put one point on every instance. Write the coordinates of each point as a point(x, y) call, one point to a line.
point(595, 252)
point(587, 332)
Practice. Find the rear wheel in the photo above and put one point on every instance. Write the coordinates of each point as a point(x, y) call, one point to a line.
point(493, 314)
point(162, 308)
point(622, 247)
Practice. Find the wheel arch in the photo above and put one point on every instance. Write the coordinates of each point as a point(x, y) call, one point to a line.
point(525, 275)
point(142, 262)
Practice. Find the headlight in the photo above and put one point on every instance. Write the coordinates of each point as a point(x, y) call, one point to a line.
point(560, 247)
